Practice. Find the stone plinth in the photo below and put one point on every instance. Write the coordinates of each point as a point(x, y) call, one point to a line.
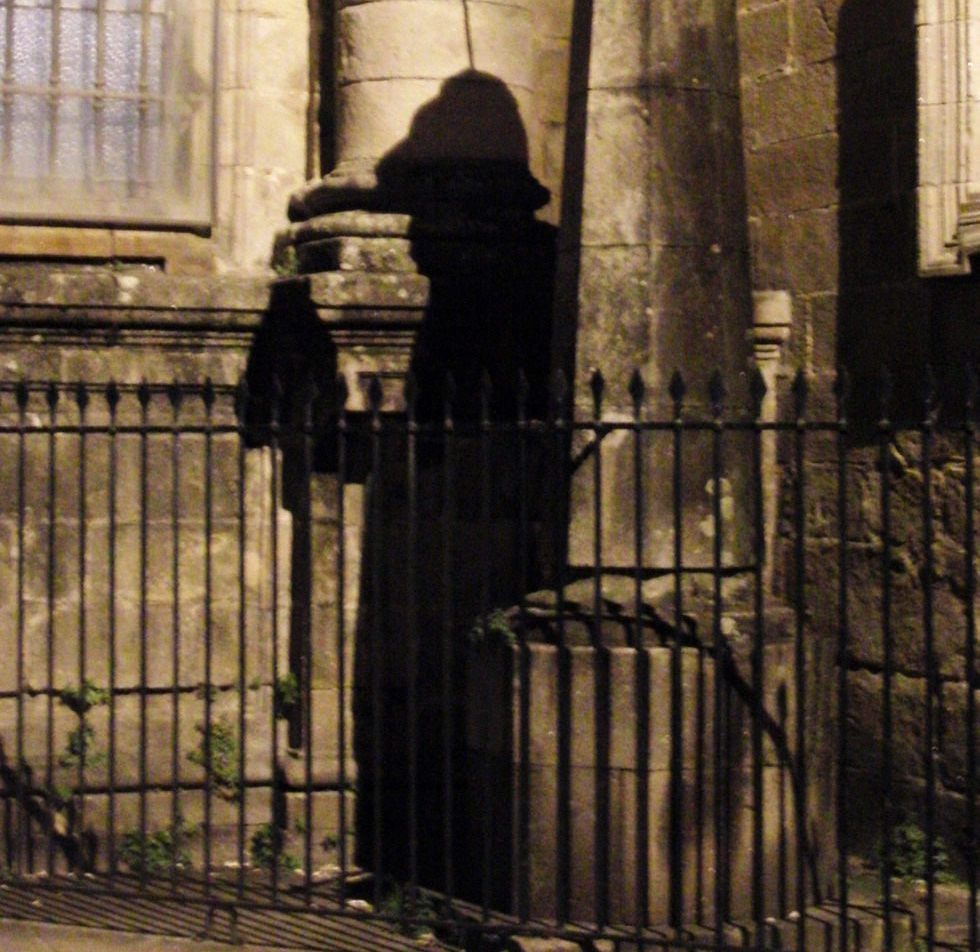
point(508, 755)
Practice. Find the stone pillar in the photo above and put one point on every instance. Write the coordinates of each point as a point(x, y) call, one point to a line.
point(653, 261)
point(431, 186)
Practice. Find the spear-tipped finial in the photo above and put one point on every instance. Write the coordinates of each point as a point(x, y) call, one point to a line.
point(637, 391)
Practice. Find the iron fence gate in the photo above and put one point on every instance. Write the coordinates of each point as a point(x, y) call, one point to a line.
point(695, 675)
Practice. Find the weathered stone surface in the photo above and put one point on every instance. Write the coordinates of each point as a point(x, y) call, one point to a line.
point(764, 39)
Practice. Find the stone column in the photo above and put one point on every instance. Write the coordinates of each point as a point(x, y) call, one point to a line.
point(433, 107)
point(653, 262)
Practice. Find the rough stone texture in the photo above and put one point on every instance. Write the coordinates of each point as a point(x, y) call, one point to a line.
point(494, 731)
point(655, 260)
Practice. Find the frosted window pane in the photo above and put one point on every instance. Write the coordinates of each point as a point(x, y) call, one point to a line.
point(113, 123)
point(32, 47)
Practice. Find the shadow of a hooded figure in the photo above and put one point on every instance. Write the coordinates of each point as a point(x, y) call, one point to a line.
point(462, 176)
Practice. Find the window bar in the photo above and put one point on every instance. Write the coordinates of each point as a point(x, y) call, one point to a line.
point(241, 409)
point(342, 630)
point(98, 100)
point(412, 634)
point(799, 446)
point(275, 434)
point(23, 829)
point(112, 402)
point(207, 401)
point(524, 662)
point(601, 674)
point(675, 845)
point(375, 395)
point(52, 397)
point(54, 87)
point(884, 446)
point(641, 683)
point(757, 395)
point(142, 175)
point(487, 780)
point(8, 81)
point(175, 397)
point(928, 645)
point(716, 393)
point(85, 731)
point(448, 619)
point(843, 661)
point(563, 831)
point(144, 396)
point(969, 449)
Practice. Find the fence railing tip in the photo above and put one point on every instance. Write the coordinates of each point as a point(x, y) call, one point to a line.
point(677, 387)
point(757, 389)
point(637, 388)
point(716, 390)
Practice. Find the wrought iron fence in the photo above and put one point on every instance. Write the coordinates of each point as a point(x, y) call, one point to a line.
point(687, 675)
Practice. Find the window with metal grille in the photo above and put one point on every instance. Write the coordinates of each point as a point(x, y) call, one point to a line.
point(106, 110)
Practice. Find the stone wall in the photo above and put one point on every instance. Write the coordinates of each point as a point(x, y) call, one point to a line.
point(829, 111)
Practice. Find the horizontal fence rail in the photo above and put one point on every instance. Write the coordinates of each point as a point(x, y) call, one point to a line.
point(672, 670)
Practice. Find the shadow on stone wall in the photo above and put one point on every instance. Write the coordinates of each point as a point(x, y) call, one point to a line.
point(884, 308)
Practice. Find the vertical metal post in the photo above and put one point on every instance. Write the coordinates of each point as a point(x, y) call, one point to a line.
point(23, 828)
point(928, 647)
point(306, 674)
point(448, 622)
point(276, 415)
point(884, 464)
point(486, 555)
point(112, 402)
point(641, 681)
point(800, 391)
point(51, 396)
point(175, 398)
point(341, 391)
point(143, 394)
point(716, 394)
point(375, 395)
point(563, 826)
point(757, 395)
point(523, 850)
point(241, 417)
point(843, 661)
point(207, 401)
point(84, 728)
point(969, 653)
point(412, 634)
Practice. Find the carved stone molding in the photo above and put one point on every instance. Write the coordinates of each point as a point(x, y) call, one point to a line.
point(948, 42)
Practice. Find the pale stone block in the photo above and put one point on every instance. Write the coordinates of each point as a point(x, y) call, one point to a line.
point(617, 169)
point(382, 40)
point(280, 62)
point(503, 41)
point(373, 117)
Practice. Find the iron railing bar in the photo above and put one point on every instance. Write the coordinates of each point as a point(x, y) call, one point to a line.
point(843, 660)
point(81, 396)
point(885, 436)
point(341, 438)
point(487, 779)
point(675, 844)
point(113, 504)
point(969, 653)
point(52, 562)
point(175, 625)
point(448, 626)
point(209, 732)
point(641, 680)
point(377, 648)
point(412, 634)
point(275, 443)
point(306, 693)
point(243, 524)
point(758, 688)
point(799, 651)
point(524, 666)
point(144, 400)
point(720, 676)
point(928, 645)
point(23, 829)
